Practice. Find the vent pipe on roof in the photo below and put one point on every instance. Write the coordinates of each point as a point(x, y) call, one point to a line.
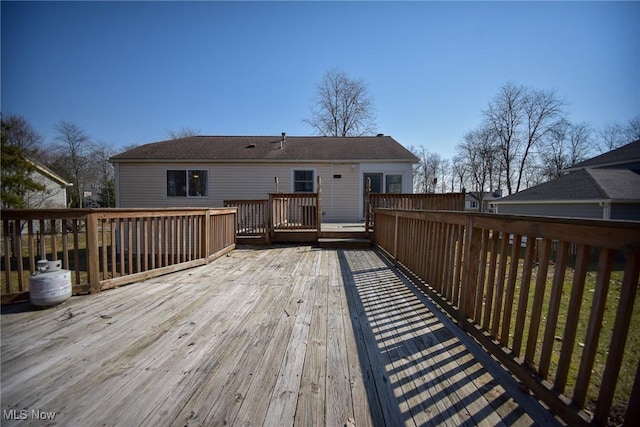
point(283, 140)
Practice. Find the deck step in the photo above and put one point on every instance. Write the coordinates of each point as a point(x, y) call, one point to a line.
point(342, 235)
point(344, 243)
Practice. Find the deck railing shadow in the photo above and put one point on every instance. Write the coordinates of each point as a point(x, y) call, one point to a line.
point(554, 300)
point(422, 373)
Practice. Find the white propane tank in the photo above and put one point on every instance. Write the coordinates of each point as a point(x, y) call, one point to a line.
point(50, 285)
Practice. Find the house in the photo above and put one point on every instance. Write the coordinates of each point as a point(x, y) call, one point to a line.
point(207, 170)
point(55, 192)
point(603, 187)
point(477, 201)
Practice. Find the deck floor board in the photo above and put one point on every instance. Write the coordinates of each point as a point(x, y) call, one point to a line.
point(293, 335)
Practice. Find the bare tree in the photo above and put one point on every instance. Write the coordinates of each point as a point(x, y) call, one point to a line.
point(566, 145)
point(519, 119)
point(103, 172)
point(183, 132)
point(473, 152)
point(580, 142)
point(342, 107)
point(632, 129)
point(72, 160)
point(532, 172)
point(611, 136)
point(479, 154)
point(544, 112)
point(503, 118)
point(459, 172)
point(427, 171)
point(445, 172)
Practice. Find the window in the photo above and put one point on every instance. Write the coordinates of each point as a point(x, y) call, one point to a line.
point(303, 181)
point(394, 183)
point(473, 204)
point(183, 183)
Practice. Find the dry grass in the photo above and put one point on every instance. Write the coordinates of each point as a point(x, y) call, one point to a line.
point(632, 348)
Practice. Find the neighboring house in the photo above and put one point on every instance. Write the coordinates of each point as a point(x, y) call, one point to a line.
point(55, 193)
point(207, 170)
point(476, 201)
point(604, 187)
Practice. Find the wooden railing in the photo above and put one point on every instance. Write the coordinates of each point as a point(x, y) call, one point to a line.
point(105, 248)
point(253, 216)
point(295, 211)
point(553, 299)
point(411, 201)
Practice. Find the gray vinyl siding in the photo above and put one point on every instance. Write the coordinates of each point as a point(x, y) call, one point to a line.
point(144, 185)
point(625, 211)
point(54, 195)
point(340, 196)
point(570, 210)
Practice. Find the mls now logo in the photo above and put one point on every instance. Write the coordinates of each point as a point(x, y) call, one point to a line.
point(14, 414)
point(23, 414)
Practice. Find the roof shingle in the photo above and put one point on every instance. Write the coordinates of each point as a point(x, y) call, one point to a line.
point(583, 184)
point(268, 148)
point(629, 153)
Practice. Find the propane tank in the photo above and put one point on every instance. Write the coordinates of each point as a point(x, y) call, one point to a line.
point(50, 284)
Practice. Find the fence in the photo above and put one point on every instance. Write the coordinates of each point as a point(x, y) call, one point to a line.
point(282, 217)
point(560, 323)
point(295, 211)
point(432, 202)
point(253, 217)
point(105, 248)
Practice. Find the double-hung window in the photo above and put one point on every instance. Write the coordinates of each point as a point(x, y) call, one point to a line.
point(393, 183)
point(303, 181)
point(187, 183)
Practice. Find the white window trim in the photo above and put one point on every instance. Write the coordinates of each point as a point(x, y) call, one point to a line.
point(186, 170)
point(293, 179)
point(386, 174)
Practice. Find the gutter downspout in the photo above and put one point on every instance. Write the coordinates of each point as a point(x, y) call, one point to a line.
point(116, 179)
point(606, 209)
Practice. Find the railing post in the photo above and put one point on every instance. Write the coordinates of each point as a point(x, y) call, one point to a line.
point(319, 206)
point(270, 218)
point(472, 241)
point(93, 254)
point(618, 337)
point(367, 206)
point(206, 234)
point(395, 238)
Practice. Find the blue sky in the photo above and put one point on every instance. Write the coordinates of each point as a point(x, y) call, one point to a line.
point(127, 72)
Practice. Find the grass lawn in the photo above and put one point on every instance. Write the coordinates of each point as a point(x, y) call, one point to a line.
point(632, 349)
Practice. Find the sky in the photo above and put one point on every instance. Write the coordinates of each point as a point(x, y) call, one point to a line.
point(129, 72)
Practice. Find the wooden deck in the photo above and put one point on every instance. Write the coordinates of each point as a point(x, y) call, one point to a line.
point(270, 336)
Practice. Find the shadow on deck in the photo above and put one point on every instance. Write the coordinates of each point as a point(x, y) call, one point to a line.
point(268, 336)
point(431, 372)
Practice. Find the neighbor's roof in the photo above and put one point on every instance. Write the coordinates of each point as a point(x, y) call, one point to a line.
point(43, 170)
point(267, 148)
point(629, 153)
point(583, 184)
